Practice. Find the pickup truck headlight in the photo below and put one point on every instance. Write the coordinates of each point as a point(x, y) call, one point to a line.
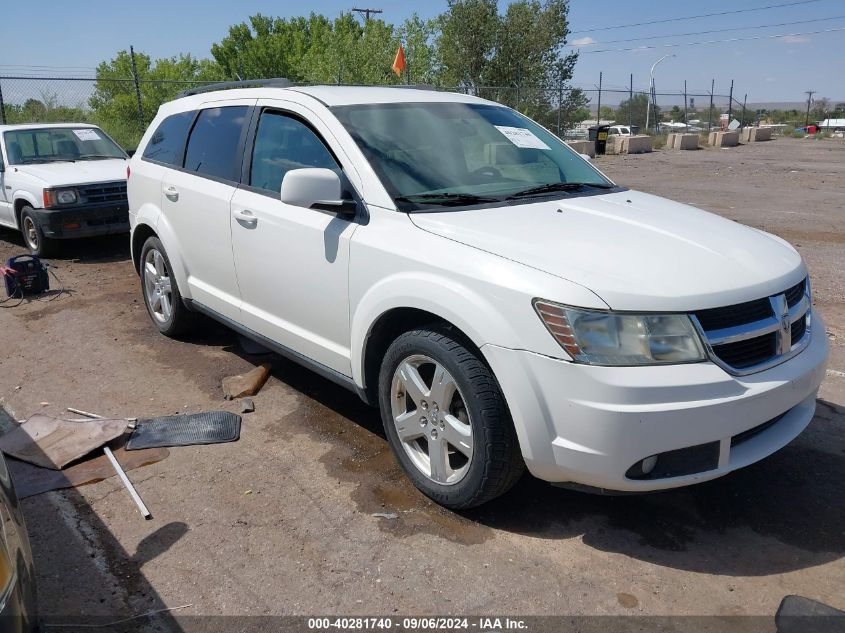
point(610, 338)
point(59, 197)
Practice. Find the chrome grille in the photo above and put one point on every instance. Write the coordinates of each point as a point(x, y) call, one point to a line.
point(755, 335)
point(104, 192)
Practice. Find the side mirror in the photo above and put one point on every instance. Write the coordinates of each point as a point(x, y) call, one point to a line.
point(586, 157)
point(316, 188)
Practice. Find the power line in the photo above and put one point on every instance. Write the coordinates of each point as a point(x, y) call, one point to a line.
point(736, 28)
point(733, 39)
point(695, 17)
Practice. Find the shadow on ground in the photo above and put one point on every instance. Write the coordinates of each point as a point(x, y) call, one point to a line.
point(89, 250)
point(736, 525)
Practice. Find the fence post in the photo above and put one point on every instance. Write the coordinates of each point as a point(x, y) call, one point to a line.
point(141, 125)
point(710, 115)
point(2, 106)
point(686, 117)
point(631, 102)
point(598, 109)
point(559, 104)
point(744, 100)
point(731, 102)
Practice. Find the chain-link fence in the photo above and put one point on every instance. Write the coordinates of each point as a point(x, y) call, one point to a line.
point(123, 107)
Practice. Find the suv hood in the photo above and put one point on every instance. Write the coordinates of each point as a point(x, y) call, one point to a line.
point(636, 251)
point(81, 172)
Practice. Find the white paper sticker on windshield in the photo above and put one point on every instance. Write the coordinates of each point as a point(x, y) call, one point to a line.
point(87, 135)
point(522, 137)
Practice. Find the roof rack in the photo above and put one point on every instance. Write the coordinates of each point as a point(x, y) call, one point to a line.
point(273, 82)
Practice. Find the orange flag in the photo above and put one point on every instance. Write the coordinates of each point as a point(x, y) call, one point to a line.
point(399, 63)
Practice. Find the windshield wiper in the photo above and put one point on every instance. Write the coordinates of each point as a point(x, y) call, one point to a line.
point(557, 186)
point(97, 157)
point(38, 161)
point(446, 198)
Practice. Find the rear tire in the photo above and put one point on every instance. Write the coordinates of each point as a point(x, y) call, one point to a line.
point(33, 236)
point(161, 292)
point(446, 419)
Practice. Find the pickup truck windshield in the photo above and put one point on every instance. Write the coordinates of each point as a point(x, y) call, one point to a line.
point(57, 144)
point(431, 155)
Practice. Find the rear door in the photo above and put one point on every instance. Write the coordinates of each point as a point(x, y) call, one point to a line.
point(196, 201)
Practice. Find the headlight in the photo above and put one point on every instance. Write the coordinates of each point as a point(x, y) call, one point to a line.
point(609, 338)
point(55, 197)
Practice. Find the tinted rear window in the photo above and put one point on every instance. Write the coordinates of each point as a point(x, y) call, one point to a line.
point(213, 145)
point(168, 141)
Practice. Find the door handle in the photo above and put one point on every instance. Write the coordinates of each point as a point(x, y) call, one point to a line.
point(246, 218)
point(172, 193)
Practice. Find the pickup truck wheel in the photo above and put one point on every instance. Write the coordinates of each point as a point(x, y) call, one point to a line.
point(446, 419)
point(33, 236)
point(161, 293)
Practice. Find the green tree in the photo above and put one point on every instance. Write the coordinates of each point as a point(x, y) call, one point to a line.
point(418, 37)
point(633, 110)
point(114, 104)
point(468, 31)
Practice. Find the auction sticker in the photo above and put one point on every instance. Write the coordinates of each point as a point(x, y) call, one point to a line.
point(522, 137)
point(87, 135)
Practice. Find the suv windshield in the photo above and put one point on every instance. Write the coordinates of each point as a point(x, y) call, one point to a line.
point(431, 155)
point(55, 144)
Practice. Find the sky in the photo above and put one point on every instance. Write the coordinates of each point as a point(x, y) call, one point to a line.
point(72, 38)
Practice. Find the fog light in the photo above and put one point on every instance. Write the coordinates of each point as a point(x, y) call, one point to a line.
point(648, 464)
point(71, 226)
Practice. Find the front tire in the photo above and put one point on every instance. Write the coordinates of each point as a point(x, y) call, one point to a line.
point(33, 236)
point(161, 293)
point(446, 419)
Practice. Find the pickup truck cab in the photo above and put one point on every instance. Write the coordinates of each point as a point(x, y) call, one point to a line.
point(60, 181)
point(503, 302)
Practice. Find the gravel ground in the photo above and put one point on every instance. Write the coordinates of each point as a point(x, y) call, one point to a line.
point(281, 521)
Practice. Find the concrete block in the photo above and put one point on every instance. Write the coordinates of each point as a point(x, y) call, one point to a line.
point(670, 140)
point(639, 144)
point(711, 139)
point(686, 141)
point(760, 134)
point(583, 147)
point(724, 139)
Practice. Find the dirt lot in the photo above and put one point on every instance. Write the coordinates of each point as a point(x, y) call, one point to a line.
point(281, 521)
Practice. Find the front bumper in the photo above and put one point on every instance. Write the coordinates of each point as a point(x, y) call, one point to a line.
point(589, 425)
point(84, 221)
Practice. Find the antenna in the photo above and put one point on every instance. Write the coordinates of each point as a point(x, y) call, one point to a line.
point(367, 12)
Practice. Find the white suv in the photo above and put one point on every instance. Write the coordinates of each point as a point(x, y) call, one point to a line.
point(502, 302)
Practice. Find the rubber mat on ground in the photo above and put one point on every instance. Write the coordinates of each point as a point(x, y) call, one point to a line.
point(213, 427)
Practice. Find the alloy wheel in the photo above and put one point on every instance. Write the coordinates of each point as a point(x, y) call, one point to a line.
point(431, 419)
point(157, 286)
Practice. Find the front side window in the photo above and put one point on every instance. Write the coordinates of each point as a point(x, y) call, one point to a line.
point(283, 143)
point(59, 144)
point(214, 143)
point(167, 144)
point(460, 154)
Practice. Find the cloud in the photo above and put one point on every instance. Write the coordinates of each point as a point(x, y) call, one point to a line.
point(582, 41)
point(794, 39)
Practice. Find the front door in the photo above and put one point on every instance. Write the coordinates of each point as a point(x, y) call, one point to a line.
point(292, 263)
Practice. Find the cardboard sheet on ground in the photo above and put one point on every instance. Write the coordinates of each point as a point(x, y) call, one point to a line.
point(33, 480)
point(53, 443)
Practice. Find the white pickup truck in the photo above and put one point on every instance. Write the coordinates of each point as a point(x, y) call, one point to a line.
point(60, 181)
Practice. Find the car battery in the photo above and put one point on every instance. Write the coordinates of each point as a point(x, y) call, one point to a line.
point(25, 275)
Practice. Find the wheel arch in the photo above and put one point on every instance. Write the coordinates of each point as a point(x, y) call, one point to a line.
point(404, 302)
point(21, 200)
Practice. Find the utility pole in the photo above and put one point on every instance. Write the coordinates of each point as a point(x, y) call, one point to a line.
point(809, 94)
point(137, 83)
point(367, 13)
